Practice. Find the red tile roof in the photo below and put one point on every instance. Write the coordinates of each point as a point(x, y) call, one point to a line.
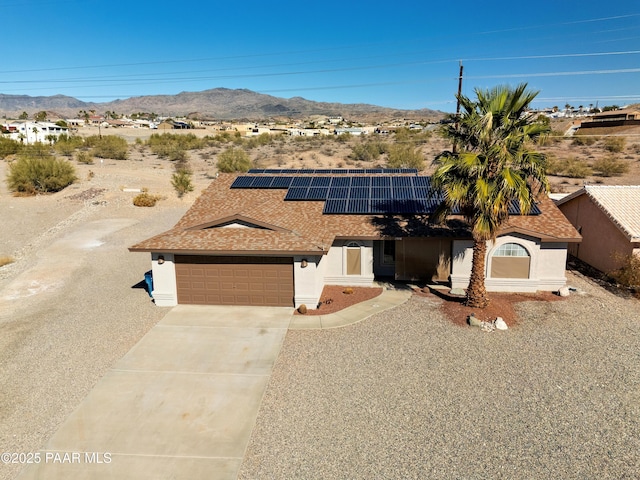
point(300, 227)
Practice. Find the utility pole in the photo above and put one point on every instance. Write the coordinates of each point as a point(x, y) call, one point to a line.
point(455, 146)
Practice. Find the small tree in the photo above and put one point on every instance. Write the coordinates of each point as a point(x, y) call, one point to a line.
point(234, 160)
point(40, 116)
point(23, 116)
point(181, 181)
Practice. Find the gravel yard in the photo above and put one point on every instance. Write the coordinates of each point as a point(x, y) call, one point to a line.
point(407, 394)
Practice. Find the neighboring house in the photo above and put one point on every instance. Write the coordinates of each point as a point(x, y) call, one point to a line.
point(608, 218)
point(277, 237)
point(32, 132)
point(613, 118)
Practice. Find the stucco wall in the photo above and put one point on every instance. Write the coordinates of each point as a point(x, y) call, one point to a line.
point(165, 292)
point(546, 268)
point(308, 280)
point(600, 237)
point(336, 268)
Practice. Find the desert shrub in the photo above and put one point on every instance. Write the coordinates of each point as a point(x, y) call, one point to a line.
point(571, 167)
point(614, 144)
point(368, 151)
point(85, 157)
point(259, 141)
point(32, 174)
point(574, 168)
point(629, 272)
point(181, 182)
point(583, 140)
point(167, 144)
point(145, 199)
point(405, 156)
point(8, 147)
point(108, 146)
point(610, 167)
point(66, 145)
point(234, 160)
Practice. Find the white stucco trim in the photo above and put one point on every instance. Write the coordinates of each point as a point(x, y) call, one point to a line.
point(165, 289)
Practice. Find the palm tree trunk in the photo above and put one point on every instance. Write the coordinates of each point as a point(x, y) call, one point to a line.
point(476, 291)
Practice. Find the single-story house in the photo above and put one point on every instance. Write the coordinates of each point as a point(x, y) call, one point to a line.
point(277, 237)
point(608, 218)
point(32, 132)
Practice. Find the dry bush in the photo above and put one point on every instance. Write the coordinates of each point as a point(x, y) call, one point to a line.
point(610, 167)
point(5, 260)
point(583, 140)
point(571, 168)
point(85, 157)
point(614, 144)
point(629, 273)
point(146, 199)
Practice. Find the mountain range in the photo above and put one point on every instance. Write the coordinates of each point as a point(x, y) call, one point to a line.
point(216, 103)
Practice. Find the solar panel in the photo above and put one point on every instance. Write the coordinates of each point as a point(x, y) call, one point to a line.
point(401, 181)
point(262, 182)
point(320, 181)
point(341, 181)
point(317, 193)
point(281, 182)
point(242, 182)
point(358, 205)
point(301, 181)
point(334, 206)
point(403, 193)
point(361, 181)
point(296, 193)
point(359, 193)
point(381, 192)
point(381, 181)
point(338, 192)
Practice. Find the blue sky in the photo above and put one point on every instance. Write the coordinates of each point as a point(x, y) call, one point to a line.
point(402, 54)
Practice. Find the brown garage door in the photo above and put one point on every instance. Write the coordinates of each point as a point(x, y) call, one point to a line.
point(207, 280)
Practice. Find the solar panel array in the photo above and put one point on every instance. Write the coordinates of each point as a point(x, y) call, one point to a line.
point(359, 194)
point(332, 171)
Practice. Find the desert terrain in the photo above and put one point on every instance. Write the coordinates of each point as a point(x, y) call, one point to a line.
point(72, 302)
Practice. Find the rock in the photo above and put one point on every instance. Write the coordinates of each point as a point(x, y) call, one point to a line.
point(458, 292)
point(473, 321)
point(302, 309)
point(500, 324)
point(563, 292)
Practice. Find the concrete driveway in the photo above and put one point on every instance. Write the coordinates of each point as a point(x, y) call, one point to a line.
point(180, 405)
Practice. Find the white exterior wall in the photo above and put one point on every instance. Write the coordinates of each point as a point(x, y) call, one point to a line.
point(165, 290)
point(336, 269)
point(546, 268)
point(308, 281)
point(43, 129)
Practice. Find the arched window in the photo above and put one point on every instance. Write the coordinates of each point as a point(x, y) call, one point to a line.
point(510, 260)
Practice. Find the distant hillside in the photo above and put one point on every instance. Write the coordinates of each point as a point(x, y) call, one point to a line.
point(217, 103)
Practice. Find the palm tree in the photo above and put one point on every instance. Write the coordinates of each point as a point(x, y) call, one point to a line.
point(493, 169)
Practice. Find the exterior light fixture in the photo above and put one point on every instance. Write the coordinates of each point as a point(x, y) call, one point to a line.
point(304, 263)
point(160, 259)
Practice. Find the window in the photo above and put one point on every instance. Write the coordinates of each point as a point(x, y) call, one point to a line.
point(354, 264)
point(388, 252)
point(510, 260)
point(511, 250)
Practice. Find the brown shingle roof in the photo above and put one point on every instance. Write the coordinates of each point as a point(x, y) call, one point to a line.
point(301, 227)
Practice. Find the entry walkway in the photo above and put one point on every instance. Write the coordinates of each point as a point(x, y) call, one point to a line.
point(182, 403)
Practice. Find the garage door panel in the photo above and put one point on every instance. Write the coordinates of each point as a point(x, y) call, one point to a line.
point(221, 281)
